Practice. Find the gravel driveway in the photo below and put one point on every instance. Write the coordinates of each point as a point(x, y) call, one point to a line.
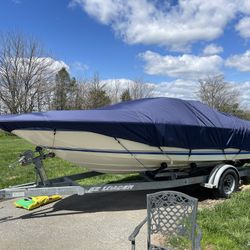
point(94, 221)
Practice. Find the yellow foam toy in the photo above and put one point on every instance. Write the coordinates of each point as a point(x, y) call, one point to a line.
point(33, 202)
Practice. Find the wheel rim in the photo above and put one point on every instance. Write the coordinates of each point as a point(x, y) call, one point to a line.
point(229, 184)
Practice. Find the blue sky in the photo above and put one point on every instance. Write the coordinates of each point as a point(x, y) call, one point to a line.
point(169, 43)
point(74, 37)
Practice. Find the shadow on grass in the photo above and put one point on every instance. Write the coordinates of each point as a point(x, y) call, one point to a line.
point(105, 202)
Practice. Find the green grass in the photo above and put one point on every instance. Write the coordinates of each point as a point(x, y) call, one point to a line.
point(10, 148)
point(227, 225)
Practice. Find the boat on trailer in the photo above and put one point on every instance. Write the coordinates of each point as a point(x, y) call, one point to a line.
point(137, 136)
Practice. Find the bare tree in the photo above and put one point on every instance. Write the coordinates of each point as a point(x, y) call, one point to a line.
point(138, 89)
point(218, 94)
point(114, 90)
point(83, 87)
point(25, 71)
point(2, 108)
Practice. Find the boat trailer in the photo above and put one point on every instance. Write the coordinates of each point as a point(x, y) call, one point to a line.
point(220, 178)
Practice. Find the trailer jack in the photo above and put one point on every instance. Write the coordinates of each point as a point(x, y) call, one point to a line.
point(30, 157)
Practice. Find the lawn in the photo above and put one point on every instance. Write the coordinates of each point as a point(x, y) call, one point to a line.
point(226, 226)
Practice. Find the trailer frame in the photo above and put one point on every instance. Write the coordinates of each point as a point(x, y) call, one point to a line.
point(67, 186)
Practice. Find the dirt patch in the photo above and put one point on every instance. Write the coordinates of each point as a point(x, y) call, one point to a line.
point(209, 203)
point(245, 187)
point(12, 178)
point(209, 247)
point(158, 240)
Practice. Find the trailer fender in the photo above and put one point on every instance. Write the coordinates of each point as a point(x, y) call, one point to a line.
point(216, 173)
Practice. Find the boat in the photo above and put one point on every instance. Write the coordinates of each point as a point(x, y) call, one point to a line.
point(137, 136)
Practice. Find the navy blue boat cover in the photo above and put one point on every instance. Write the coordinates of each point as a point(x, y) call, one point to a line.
point(153, 121)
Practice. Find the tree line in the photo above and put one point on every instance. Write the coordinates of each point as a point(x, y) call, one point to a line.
point(29, 81)
point(221, 95)
point(70, 93)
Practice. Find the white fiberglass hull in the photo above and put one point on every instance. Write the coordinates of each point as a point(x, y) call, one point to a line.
point(114, 155)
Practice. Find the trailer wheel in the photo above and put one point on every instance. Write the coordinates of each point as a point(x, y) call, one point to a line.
point(229, 183)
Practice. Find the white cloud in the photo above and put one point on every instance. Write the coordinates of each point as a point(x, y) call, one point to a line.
point(79, 66)
point(185, 66)
point(184, 89)
point(48, 64)
point(115, 88)
point(148, 22)
point(243, 6)
point(240, 61)
point(243, 27)
point(244, 90)
point(103, 11)
point(212, 49)
point(56, 65)
point(122, 82)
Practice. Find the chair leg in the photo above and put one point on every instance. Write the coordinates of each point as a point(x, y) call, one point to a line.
point(133, 245)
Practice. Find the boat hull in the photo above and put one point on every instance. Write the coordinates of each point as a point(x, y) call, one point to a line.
point(116, 155)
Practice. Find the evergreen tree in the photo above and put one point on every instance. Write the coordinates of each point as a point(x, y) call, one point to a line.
point(72, 95)
point(64, 91)
point(97, 96)
point(125, 96)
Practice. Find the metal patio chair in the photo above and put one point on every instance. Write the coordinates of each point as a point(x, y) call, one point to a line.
point(171, 221)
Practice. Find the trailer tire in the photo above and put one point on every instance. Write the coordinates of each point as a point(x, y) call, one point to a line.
point(229, 183)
